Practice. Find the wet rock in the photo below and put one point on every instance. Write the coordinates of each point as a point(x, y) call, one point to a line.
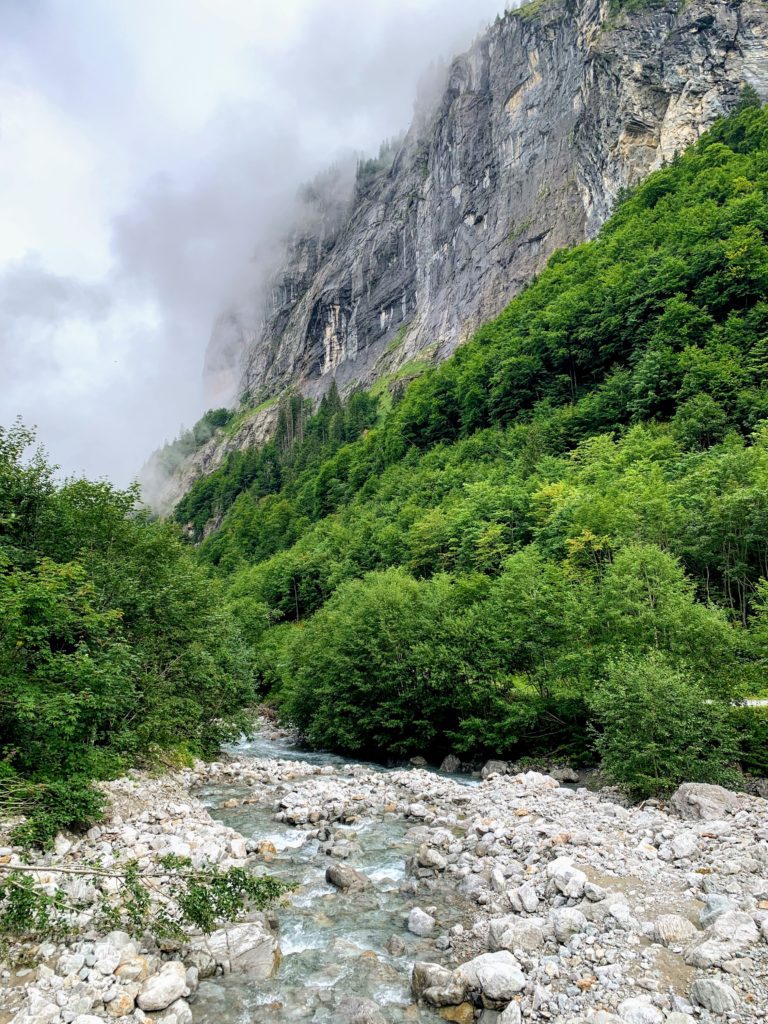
point(346, 878)
point(421, 923)
point(464, 1013)
point(437, 985)
point(714, 995)
point(246, 948)
point(699, 801)
point(159, 991)
point(357, 1010)
point(395, 946)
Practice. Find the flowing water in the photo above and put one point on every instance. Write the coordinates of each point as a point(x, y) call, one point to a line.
point(333, 943)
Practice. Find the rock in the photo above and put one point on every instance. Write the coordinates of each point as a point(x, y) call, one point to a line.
point(421, 923)
point(699, 801)
point(496, 977)
point(714, 995)
point(87, 1018)
point(451, 764)
point(511, 932)
point(567, 921)
point(162, 989)
point(464, 1013)
point(570, 880)
point(679, 847)
point(356, 1010)
point(418, 762)
point(715, 905)
point(395, 946)
point(511, 1015)
point(246, 948)
point(526, 896)
point(427, 857)
point(731, 933)
point(121, 1005)
point(135, 968)
point(494, 768)
point(178, 1013)
point(346, 878)
point(672, 929)
point(640, 1010)
point(565, 775)
point(436, 985)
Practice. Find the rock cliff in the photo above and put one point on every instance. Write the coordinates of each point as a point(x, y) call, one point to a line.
point(559, 106)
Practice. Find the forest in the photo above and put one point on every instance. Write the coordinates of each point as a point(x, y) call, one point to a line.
point(553, 546)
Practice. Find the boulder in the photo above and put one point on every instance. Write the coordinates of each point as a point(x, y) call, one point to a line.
point(495, 768)
point(164, 988)
point(511, 1015)
point(640, 1010)
point(512, 932)
point(494, 977)
point(672, 929)
point(570, 880)
point(567, 921)
point(357, 1010)
point(177, 1013)
point(730, 934)
point(246, 948)
point(699, 801)
point(346, 878)
point(450, 763)
point(714, 995)
point(437, 985)
point(420, 922)
point(565, 775)
point(427, 857)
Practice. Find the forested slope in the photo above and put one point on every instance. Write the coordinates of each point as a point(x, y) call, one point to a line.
point(556, 539)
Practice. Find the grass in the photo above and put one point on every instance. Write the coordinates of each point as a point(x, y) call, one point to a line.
point(246, 414)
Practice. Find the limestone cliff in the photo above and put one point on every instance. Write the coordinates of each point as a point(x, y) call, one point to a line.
point(554, 110)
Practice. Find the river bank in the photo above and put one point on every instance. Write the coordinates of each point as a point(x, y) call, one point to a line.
point(581, 909)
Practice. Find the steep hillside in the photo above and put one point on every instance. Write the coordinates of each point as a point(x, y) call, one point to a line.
point(561, 527)
point(552, 112)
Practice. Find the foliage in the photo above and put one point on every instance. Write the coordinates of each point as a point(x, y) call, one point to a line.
point(167, 903)
point(581, 488)
point(114, 643)
point(661, 728)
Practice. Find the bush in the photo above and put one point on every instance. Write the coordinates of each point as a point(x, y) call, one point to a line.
point(660, 728)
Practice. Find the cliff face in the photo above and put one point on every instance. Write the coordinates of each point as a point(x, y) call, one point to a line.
point(552, 112)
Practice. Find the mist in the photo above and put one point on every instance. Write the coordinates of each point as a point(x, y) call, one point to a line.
point(150, 161)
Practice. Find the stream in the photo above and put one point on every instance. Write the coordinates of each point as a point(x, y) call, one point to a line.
point(333, 943)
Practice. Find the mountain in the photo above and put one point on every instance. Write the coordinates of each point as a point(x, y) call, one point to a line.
point(540, 125)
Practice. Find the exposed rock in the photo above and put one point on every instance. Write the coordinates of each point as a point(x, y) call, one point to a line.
point(356, 1010)
point(496, 977)
point(671, 929)
point(247, 948)
point(539, 125)
point(450, 763)
point(494, 768)
point(640, 1010)
point(420, 923)
point(163, 988)
point(714, 995)
point(696, 800)
point(344, 877)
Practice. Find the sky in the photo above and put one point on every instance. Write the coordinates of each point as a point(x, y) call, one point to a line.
point(149, 150)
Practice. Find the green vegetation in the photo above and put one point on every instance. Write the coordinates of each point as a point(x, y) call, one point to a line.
point(115, 647)
point(565, 520)
point(172, 454)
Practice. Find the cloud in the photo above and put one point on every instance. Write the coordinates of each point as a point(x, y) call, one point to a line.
point(150, 161)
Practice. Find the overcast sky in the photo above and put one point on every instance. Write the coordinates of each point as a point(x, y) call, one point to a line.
point(147, 148)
